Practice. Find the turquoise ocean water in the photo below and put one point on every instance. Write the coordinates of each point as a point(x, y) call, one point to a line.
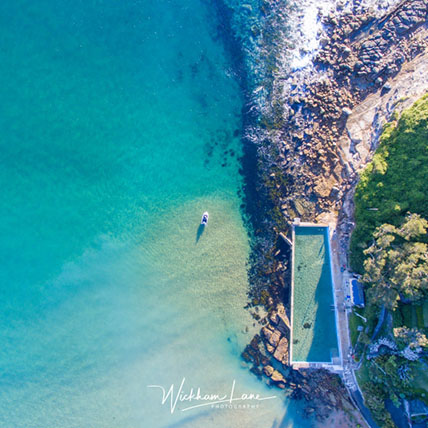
point(119, 125)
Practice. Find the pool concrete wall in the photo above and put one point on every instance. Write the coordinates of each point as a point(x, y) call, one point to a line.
point(325, 324)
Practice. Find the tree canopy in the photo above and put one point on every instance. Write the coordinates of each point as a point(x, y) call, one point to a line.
point(394, 183)
point(411, 337)
point(389, 247)
point(396, 266)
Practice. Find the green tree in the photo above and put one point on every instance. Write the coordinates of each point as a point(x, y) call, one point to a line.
point(413, 227)
point(411, 337)
point(375, 400)
point(396, 263)
point(394, 183)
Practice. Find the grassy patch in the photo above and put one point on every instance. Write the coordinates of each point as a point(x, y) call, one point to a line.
point(407, 314)
point(425, 310)
point(354, 322)
point(419, 317)
point(420, 382)
point(397, 318)
point(362, 375)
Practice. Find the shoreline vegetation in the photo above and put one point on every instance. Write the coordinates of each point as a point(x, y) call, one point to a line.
point(389, 248)
point(308, 133)
point(394, 182)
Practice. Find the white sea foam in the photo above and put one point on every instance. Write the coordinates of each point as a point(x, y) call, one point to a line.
point(307, 28)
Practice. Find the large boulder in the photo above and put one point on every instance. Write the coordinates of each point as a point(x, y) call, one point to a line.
point(277, 376)
point(283, 318)
point(268, 370)
point(281, 351)
point(270, 348)
point(272, 335)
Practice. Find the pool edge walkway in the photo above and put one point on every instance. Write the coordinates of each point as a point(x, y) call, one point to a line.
point(290, 350)
point(346, 370)
point(348, 373)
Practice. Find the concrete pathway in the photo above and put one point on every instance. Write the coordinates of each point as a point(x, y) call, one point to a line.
point(341, 278)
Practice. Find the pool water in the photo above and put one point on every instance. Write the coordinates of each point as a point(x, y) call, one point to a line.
point(314, 325)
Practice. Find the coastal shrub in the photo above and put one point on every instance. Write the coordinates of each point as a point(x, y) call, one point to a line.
point(397, 318)
point(425, 312)
point(406, 311)
point(420, 384)
point(391, 377)
point(412, 338)
point(419, 317)
point(388, 247)
point(395, 181)
point(375, 400)
point(371, 313)
point(364, 340)
point(396, 267)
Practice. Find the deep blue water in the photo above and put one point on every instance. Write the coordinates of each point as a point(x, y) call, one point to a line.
point(120, 124)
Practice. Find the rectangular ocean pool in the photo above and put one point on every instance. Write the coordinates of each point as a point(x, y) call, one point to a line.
point(314, 333)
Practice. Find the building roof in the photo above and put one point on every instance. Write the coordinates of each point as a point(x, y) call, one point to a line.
point(357, 293)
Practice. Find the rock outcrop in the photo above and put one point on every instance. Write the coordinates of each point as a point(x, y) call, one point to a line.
point(281, 351)
point(320, 125)
point(363, 58)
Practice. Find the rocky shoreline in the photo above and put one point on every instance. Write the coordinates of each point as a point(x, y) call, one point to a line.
point(312, 130)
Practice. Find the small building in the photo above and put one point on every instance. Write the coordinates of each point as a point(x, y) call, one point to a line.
point(357, 293)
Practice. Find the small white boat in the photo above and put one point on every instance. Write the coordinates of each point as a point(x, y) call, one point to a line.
point(205, 217)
